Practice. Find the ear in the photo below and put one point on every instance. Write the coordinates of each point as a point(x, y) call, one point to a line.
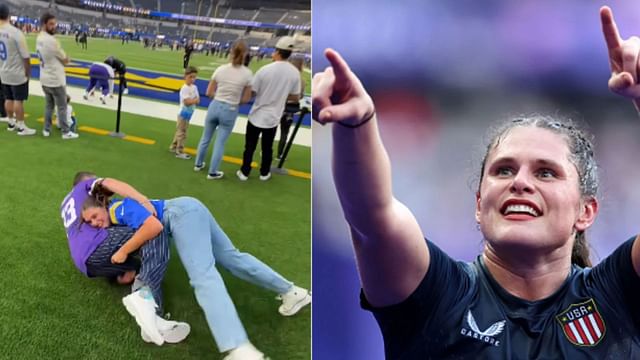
point(478, 207)
point(588, 213)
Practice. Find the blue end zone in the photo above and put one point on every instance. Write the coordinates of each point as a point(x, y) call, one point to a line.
point(169, 95)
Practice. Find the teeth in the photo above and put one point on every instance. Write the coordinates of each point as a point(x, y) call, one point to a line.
point(520, 208)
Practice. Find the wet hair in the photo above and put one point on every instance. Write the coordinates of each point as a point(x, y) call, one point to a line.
point(4, 12)
point(238, 53)
point(82, 175)
point(44, 19)
point(190, 70)
point(581, 155)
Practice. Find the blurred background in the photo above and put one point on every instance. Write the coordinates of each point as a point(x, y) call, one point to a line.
point(441, 73)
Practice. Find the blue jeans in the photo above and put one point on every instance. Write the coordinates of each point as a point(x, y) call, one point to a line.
point(222, 116)
point(201, 244)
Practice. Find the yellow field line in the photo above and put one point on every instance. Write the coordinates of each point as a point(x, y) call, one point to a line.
point(188, 150)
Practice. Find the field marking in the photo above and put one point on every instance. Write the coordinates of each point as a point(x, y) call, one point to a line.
point(188, 150)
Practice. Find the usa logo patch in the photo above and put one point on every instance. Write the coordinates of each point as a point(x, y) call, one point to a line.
point(582, 323)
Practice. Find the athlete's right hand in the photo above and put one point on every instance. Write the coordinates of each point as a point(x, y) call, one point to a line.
point(338, 94)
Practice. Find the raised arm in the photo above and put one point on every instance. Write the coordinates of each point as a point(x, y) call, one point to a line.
point(390, 249)
point(624, 58)
point(125, 190)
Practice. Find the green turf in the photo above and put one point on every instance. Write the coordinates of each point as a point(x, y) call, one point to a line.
point(136, 56)
point(51, 311)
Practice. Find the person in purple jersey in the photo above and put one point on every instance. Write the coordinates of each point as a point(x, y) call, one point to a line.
point(101, 75)
point(533, 292)
point(91, 248)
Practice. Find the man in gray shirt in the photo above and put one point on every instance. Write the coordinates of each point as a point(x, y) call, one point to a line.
point(52, 76)
point(15, 70)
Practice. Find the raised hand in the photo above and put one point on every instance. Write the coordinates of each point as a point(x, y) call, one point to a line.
point(623, 57)
point(338, 94)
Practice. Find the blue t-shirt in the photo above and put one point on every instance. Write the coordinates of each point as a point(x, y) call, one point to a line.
point(459, 311)
point(131, 213)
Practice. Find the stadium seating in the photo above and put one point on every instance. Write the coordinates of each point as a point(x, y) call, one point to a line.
point(270, 16)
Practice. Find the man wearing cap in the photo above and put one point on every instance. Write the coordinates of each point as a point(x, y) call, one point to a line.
point(273, 85)
point(15, 70)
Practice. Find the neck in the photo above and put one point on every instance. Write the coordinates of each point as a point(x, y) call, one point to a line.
point(532, 278)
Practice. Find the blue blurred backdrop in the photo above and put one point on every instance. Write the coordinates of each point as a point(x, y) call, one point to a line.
point(441, 72)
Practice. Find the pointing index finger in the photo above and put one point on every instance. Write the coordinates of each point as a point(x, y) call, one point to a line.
point(609, 28)
point(340, 67)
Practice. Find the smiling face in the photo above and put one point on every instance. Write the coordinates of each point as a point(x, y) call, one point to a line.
point(96, 217)
point(530, 194)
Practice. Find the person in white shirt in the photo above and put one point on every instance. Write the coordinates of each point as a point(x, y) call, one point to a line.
point(229, 87)
point(274, 85)
point(15, 70)
point(189, 98)
point(52, 76)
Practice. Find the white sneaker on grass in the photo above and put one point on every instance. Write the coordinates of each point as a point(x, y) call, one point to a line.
point(241, 176)
point(245, 351)
point(141, 305)
point(70, 135)
point(46, 133)
point(294, 300)
point(265, 177)
point(11, 125)
point(172, 332)
point(25, 130)
point(215, 176)
point(199, 168)
point(183, 156)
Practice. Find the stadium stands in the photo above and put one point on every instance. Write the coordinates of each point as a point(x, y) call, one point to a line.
point(297, 18)
point(271, 16)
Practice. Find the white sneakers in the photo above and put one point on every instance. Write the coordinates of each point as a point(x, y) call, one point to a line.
point(23, 130)
point(245, 351)
point(241, 176)
point(172, 332)
point(265, 177)
point(199, 168)
point(141, 305)
point(45, 133)
point(215, 176)
point(69, 135)
point(294, 300)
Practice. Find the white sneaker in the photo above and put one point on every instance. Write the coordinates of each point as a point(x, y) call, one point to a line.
point(245, 352)
point(4, 119)
point(241, 176)
point(70, 135)
point(183, 156)
point(294, 300)
point(85, 96)
point(25, 131)
point(172, 332)
point(125, 91)
point(141, 305)
point(12, 125)
point(199, 168)
point(265, 177)
point(45, 133)
point(215, 176)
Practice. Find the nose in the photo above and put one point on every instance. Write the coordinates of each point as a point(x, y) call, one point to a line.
point(522, 182)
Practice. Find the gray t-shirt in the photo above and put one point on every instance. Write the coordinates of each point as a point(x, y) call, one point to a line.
point(51, 57)
point(273, 83)
point(13, 51)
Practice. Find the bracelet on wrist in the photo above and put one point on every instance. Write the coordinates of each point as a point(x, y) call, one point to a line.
point(366, 120)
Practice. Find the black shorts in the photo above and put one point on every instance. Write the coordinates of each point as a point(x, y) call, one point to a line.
point(16, 92)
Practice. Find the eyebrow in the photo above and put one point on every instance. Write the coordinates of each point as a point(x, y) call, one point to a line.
point(543, 162)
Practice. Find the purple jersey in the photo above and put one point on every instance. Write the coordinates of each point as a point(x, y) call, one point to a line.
point(83, 238)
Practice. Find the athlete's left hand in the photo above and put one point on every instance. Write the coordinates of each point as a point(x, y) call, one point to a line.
point(623, 57)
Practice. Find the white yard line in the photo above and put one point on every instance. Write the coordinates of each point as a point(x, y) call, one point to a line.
point(155, 109)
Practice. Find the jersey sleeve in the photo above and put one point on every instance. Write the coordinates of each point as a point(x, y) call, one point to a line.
point(445, 284)
point(129, 212)
point(618, 282)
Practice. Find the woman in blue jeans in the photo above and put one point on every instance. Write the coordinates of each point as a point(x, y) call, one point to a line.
point(202, 244)
point(229, 87)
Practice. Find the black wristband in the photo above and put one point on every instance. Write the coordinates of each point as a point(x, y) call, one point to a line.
point(360, 124)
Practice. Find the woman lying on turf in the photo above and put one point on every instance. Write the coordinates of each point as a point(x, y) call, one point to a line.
point(200, 243)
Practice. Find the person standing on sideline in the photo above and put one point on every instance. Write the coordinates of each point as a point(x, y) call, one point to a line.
point(52, 76)
point(274, 85)
point(15, 70)
point(188, 49)
point(229, 87)
point(290, 109)
point(189, 98)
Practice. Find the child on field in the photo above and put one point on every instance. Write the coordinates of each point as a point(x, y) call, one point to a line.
point(189, 98)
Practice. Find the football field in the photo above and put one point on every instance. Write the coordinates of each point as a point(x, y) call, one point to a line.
point(49, 310)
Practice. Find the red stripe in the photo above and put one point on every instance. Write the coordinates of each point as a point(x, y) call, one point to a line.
point(599, 321)
point(567, 330)
point(593, 333)
point(581, 332)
